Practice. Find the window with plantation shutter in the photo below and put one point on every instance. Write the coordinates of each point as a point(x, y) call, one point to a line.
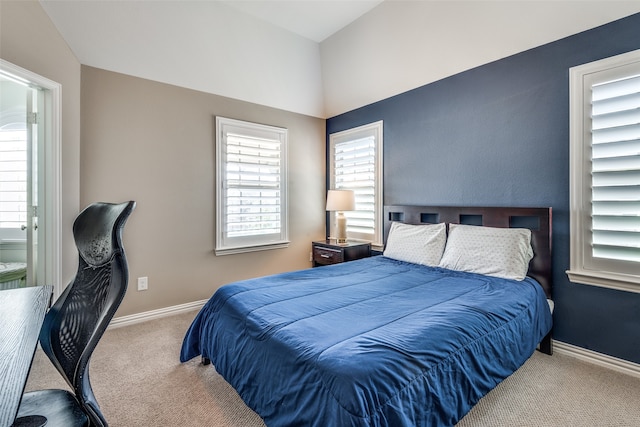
point(615, 153)
point(13, 176)
point(605, 173)
point(251, 187)
point(356, 164)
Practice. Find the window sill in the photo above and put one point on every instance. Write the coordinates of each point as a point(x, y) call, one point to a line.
point(619, 282)
point(244, 249)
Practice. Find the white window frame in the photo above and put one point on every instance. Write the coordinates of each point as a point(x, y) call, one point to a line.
point(584, 268)
point(226, 244)
point(374, 130)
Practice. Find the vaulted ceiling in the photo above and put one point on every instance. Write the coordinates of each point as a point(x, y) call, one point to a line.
point(315, 57)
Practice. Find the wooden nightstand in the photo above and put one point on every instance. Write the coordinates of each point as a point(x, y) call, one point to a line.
point(328, 252)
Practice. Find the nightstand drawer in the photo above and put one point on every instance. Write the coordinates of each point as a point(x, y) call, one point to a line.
point(327, 256)
point(329, 252)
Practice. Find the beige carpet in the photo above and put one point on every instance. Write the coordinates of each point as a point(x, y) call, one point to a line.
point(138, 380)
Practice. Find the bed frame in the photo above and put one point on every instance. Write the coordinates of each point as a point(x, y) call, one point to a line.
point(538, 220)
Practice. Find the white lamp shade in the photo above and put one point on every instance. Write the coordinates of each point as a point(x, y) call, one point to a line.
point(341, 200)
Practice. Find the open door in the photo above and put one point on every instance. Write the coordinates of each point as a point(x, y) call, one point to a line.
point(19, 176)
point(37, 114)
point(34, 108)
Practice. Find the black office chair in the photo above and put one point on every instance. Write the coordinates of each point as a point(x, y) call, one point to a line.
point(75, 323)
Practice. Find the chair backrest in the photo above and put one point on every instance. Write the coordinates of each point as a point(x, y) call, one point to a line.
point(77, 320)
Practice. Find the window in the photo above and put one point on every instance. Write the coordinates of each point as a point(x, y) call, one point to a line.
point(605, 173)
point(13, 176)
point(356, 164)
point(251, 187)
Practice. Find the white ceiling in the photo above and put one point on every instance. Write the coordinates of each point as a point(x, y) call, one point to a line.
point(313, 19)
point(262, 51)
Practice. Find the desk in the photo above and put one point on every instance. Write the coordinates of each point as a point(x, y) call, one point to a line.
point(21, 315)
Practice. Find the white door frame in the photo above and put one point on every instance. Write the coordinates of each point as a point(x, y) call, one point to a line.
point(50, 197)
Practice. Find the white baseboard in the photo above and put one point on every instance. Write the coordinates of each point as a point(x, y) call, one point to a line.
point(599, 359)
point(132, 319)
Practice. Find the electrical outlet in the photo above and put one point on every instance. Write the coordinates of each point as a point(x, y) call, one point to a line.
point(143, 283)
point(310, 256)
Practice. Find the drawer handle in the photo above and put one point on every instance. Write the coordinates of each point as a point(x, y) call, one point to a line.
point(325, 256)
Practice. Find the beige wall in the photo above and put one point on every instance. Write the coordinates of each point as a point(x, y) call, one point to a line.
point(29, 39)
point(154, 143)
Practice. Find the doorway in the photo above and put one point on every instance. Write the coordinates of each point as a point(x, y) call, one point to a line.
point(29, 179)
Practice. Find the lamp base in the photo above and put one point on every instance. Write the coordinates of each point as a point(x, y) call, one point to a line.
point(341, 228)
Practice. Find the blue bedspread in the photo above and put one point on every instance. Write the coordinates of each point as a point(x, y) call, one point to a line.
point(373, 342)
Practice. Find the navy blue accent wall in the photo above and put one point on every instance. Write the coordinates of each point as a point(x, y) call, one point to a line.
point(498, 135)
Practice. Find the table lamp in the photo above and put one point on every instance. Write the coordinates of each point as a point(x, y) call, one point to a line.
point(340, 201)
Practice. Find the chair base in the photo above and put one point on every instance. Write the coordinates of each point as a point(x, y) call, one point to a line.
point(59, 407)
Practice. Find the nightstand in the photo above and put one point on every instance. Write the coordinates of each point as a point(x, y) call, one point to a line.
point(328, 252)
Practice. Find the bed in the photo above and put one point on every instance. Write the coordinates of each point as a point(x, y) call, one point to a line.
point(386, 341)
point(13, 275)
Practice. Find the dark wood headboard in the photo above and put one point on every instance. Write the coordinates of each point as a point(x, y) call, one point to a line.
point(538, 220)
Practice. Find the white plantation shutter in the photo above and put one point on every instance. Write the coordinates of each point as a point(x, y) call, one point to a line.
point(355, 170)
point(252, 209)
point(252, 186)
point(356, 164)
point(616, 169)
point(605, 172)
point(13, 178)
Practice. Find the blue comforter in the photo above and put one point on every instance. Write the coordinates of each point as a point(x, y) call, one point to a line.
point(373, 342)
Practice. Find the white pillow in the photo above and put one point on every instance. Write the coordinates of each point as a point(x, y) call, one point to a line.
point(500, 252)
point(419, 244)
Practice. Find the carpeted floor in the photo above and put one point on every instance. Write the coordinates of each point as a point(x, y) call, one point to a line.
point(138, 381)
